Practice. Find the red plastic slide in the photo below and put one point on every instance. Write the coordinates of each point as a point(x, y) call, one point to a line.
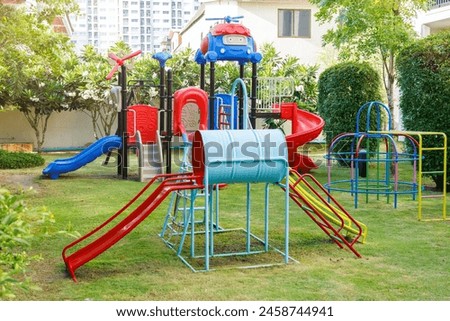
point(172, 182)
point(306, 127)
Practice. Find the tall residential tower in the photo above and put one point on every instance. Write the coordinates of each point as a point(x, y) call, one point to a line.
point(143, 24)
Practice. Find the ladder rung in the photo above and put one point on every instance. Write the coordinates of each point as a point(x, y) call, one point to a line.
point(195, 208)
point(433, 172)
point(432, 196)
point(433, 148)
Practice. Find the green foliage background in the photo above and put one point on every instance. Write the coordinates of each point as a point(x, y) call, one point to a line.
point(14, 160)
point(424, 79)
point(343, 89)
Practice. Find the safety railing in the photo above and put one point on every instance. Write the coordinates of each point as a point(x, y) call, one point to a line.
point(439, 3)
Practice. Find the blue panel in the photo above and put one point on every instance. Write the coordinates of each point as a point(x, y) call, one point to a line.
point(225, 99)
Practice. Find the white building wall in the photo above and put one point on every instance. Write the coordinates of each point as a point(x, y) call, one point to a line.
point(434, 20)
point(65, 130)
point(261, 17)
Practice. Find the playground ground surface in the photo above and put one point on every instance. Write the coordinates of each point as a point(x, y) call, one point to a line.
point(403, 259)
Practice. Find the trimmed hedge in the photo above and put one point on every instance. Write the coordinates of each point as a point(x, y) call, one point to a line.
point(343, 89)
point(424, 78)
point(15, 160)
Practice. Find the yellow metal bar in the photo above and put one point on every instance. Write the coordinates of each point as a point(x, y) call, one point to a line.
point(443, 148)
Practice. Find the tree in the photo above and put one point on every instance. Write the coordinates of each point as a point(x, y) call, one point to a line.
point(365, 28)
point(91, 91)
point(343, 89)
point(424, 78)
point(186, 72)
point(33, 60)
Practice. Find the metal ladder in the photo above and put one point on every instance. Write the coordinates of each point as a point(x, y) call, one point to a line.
point(181, 210)
point(443, 172)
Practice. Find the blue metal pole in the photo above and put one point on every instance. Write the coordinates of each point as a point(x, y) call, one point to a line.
point(211, 221)
point(207, 210)
point(192, 222)
point(286, 223)
point(248, 219)
point(266, 218)
point(216, 210)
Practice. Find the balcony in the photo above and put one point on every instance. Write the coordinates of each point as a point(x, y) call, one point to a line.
point(439, 3)
point(436, 19)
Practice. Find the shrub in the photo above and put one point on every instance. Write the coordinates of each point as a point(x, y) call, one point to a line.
point(14, 160)
point(424, 79)
point(343, 89)
point(19, 224)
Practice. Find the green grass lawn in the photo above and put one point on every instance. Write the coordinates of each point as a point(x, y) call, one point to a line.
point(403, 259)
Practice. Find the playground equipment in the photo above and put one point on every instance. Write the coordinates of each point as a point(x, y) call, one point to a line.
point(54, 169)
point(266, 163)
point(144, 127)
point(231, 41)
point(228, 41)
point(236, 154)
point(376, 170)
point(65, 165)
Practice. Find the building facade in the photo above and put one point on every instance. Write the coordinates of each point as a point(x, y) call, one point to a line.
point(142, 24)
point(288, 24)
point(436, 19)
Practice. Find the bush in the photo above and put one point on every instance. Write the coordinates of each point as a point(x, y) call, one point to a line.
point(19, 224)
point(14, 160)
point(343, 89)
point(424, 78)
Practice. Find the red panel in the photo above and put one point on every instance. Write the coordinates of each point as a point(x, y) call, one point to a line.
point(230, 29)
point(145, 119)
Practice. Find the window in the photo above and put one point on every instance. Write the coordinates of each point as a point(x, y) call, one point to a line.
point(294, 23)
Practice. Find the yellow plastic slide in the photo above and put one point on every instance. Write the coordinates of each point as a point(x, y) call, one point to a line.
point(331, 212)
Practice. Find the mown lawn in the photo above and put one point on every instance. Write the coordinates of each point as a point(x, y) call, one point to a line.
point(403, 259)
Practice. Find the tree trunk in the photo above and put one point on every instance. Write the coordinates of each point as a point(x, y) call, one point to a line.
point(389, 82)
point(39, 124)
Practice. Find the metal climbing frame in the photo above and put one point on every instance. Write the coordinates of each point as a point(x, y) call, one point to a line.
point(385, 178)
point(442, 148)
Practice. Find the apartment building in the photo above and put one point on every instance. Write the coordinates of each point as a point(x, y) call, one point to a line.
point(435, 19)
point(143, 24)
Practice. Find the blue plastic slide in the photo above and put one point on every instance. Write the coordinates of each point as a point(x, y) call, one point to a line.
point(100, 147)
